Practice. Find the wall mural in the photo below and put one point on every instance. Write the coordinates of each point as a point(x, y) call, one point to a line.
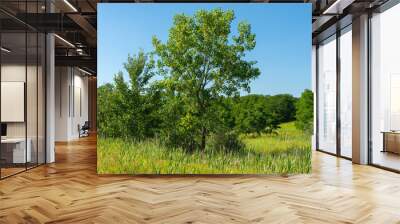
point(204, 89)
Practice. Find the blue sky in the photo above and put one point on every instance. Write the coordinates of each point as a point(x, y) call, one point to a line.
point(283, 35)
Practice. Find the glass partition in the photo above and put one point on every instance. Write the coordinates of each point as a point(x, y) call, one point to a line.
point(327, 95)
point(23, 91)
point(14, 153)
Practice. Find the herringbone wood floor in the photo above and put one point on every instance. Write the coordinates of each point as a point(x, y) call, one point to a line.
point(69, 191)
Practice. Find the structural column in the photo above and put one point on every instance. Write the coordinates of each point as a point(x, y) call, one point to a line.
point(50, 92)
point(360, 90)
point(50, 99)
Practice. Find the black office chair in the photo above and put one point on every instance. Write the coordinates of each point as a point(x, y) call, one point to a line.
point(84, 130)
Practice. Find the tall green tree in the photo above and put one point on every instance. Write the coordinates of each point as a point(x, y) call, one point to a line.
point(109, 124)
point(127, 108)
point(140, 70)
point(305, 111)
point(201, 63)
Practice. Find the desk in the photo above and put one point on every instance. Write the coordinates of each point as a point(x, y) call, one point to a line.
point(391, 141)
point(13, 150)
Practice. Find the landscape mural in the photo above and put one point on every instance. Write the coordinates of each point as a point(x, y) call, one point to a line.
point(191, 100)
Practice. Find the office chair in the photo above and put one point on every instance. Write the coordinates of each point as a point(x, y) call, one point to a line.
point(84, 130)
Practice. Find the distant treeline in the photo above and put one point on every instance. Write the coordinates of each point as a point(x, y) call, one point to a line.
point(137, 109)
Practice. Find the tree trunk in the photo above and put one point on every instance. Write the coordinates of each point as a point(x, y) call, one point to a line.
point(203, 139)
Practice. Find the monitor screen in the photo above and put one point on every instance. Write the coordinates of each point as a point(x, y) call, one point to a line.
point(3, 129)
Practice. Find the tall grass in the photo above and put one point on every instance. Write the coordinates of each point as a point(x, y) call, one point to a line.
point(288, 152)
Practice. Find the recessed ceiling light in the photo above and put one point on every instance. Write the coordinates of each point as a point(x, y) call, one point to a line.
point(84, 71)
point(337, 7)
point(65, 41)
point(70, 5)
point(5, 50)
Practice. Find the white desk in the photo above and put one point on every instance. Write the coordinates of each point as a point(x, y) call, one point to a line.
point(19, 155)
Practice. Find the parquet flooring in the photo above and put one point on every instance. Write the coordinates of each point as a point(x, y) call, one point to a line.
point(70, 191)
point(11, 170)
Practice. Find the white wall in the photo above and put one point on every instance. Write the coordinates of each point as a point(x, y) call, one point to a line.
point(33, 126)
point(62, 82)
point(12, 73)
point(71, 87)
point(81, 88)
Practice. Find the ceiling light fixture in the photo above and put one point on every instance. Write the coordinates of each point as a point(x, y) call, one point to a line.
point(65, 41)
point(84, 71)
point(5, 50)
point(80, 51)
point(337, 7)
point(70, 5)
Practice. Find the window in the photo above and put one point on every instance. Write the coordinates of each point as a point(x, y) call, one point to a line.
point(385, 89)
point(327, 95)
point(346, 92)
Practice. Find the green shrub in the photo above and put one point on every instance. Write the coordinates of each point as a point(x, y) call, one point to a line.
point(226, 141)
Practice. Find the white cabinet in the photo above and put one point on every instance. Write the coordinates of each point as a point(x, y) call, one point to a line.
point(19, 155)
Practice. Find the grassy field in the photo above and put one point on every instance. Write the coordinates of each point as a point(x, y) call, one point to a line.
point(288, 152)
